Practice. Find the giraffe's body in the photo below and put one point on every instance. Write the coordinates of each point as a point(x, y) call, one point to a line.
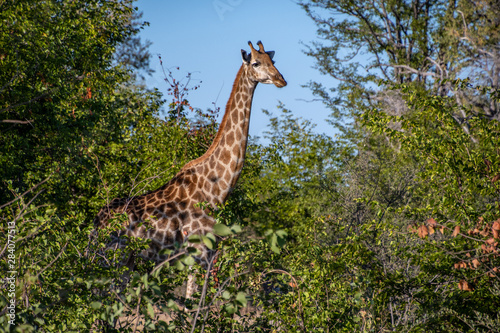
point(172, 213)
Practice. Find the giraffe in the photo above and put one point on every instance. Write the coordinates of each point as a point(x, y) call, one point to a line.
point(171, 214)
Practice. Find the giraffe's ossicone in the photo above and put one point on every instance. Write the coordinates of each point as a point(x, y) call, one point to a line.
point(172, 213)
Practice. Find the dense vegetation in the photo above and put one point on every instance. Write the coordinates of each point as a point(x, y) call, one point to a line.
point(392, 224)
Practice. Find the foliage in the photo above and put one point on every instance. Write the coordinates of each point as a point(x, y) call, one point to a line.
point(421, 42)
point(390, 225)
point(456, 218)
point(133, 53)
point(76, 131)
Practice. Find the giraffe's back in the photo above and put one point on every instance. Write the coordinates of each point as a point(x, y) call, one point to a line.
point(166, 216)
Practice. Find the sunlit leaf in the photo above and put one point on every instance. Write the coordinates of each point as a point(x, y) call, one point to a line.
point(241, 298)
point(222, 230)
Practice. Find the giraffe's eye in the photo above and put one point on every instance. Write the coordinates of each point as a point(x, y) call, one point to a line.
point(256, 64)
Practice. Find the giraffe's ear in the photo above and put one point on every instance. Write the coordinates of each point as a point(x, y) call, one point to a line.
point(245, 56)
point(270, 54)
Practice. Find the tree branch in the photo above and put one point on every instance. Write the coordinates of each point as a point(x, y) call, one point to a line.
point(13, 121)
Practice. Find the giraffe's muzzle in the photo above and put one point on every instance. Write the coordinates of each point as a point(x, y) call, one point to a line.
point(279, 81)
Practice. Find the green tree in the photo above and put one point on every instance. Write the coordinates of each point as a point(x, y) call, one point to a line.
point(454, 285)
point(133, 53)
point(76, 131)
point(419, 42)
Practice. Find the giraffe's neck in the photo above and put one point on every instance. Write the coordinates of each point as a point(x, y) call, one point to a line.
point(223, 161)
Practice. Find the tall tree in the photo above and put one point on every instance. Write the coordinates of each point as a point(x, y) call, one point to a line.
point(75, 130)
point(371, 43)
point(58, 85)
point(401, 58)
point(133, 53)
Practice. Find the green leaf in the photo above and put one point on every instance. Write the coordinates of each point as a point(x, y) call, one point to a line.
point(222, 230)
point(166, 252)
point(156, 272)
point(281, 233)
point(241, 298)
point(188, 260)
point(209, 241)
point(145, 281)
point(172, 305)
point(226, 294)
point(95, 305)
point(179, 265)
point(230, 308)
point(235, 228)
point(195, 239)
point(151, 311)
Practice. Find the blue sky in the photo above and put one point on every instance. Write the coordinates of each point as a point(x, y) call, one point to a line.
point(205, 38)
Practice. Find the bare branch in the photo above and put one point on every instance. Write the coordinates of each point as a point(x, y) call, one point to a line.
point(438, 66)
point(410, 69)
point(463, 19)
point(12, 121)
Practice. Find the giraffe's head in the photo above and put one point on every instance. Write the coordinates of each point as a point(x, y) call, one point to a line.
point(260, 66)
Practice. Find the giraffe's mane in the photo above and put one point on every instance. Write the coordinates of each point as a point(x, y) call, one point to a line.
point(218, 136)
